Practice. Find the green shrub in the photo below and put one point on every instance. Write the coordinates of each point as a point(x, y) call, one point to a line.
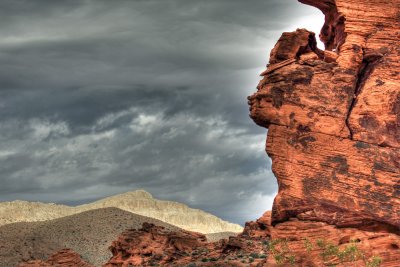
point(321, 243)
point(291, 259)
point(330, 250)
point(279, 258)
point(374, 261)
point(308, 245)
point(254, 255)
point(350, 253)
point(282, 254)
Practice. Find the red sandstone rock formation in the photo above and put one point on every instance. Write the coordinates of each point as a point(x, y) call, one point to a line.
point(292, 243)
point(334, 127)
point(334, 131)
point(154, 246)
point(302, 242)
point(153, 243)
point(63, 258)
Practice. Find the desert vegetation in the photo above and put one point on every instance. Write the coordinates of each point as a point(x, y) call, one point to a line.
point(330, 254)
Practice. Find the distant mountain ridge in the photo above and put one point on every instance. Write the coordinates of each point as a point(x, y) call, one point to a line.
point(138, 202)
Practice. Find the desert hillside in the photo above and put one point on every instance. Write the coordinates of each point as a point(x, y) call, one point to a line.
point(138, 202)
point(89, 233)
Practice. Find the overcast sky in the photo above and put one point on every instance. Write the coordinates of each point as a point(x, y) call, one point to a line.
point(100, 97)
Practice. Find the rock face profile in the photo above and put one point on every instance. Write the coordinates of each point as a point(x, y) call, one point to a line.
point(138, 202)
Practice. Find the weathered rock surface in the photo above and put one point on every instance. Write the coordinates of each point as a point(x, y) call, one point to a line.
point(156, 246)
point(333, 127)
point(138, 202)
point(292, 243)
point(65, 257)
point(296, 242)
point(334, 122)
point(304, 242)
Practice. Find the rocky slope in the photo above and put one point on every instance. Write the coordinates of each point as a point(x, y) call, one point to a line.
point(138, 202)
point(88, 233)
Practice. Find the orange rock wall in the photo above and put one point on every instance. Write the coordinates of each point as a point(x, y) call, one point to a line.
point(334, 116)
point(334, 132)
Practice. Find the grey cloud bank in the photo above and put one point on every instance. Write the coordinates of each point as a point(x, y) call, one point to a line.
point(103, 97)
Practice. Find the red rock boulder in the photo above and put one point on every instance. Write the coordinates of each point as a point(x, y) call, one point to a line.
point(63, 258)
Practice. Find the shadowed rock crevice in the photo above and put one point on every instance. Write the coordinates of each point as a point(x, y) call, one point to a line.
point(368, 65)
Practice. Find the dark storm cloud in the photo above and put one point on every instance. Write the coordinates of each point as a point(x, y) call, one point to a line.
point(101, 97)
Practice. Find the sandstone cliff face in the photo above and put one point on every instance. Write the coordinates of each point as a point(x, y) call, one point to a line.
point(333, 116)
point(334, 122)
point(138, 202)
